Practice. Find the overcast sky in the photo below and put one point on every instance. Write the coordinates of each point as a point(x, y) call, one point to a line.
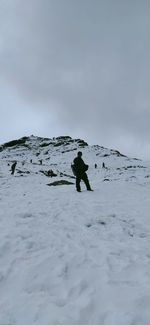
point(78, 68)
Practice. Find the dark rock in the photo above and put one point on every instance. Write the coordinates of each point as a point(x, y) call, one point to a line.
point(23, 172)
point(14, 143)
point(65, 137)
point(61, 182)
point(117, 153)
point(69, 150)
point(48, 173)
point(58, 144)
point(45, 144)
point(101, 222)
point(82, 143)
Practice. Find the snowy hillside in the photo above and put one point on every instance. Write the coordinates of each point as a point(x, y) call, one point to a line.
point(69, 258)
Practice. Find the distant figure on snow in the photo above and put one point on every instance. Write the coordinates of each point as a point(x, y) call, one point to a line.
point(79, 169)
point(13, 167)
point(95, 166)
point(103, 165)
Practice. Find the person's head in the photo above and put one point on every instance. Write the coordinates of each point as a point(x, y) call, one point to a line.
point(79, 154)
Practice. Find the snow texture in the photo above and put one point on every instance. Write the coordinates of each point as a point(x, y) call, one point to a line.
point(69, 258)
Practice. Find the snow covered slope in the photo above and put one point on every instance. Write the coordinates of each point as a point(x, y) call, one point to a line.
point(69, 258)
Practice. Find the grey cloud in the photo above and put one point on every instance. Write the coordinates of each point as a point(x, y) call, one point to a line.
point(87, 60)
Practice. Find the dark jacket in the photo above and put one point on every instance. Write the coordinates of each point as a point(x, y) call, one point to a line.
point(79, 166)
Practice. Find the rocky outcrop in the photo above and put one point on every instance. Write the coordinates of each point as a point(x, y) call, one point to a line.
point(61, 182)
point(15, 143)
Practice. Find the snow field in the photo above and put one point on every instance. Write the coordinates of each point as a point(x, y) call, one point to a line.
point(69, 258)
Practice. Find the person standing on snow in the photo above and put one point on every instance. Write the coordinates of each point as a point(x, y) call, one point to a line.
point(80, 169)
point(13, 167)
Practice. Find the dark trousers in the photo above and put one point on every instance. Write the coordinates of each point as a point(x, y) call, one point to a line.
point(12, 170)
point(84, 178)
